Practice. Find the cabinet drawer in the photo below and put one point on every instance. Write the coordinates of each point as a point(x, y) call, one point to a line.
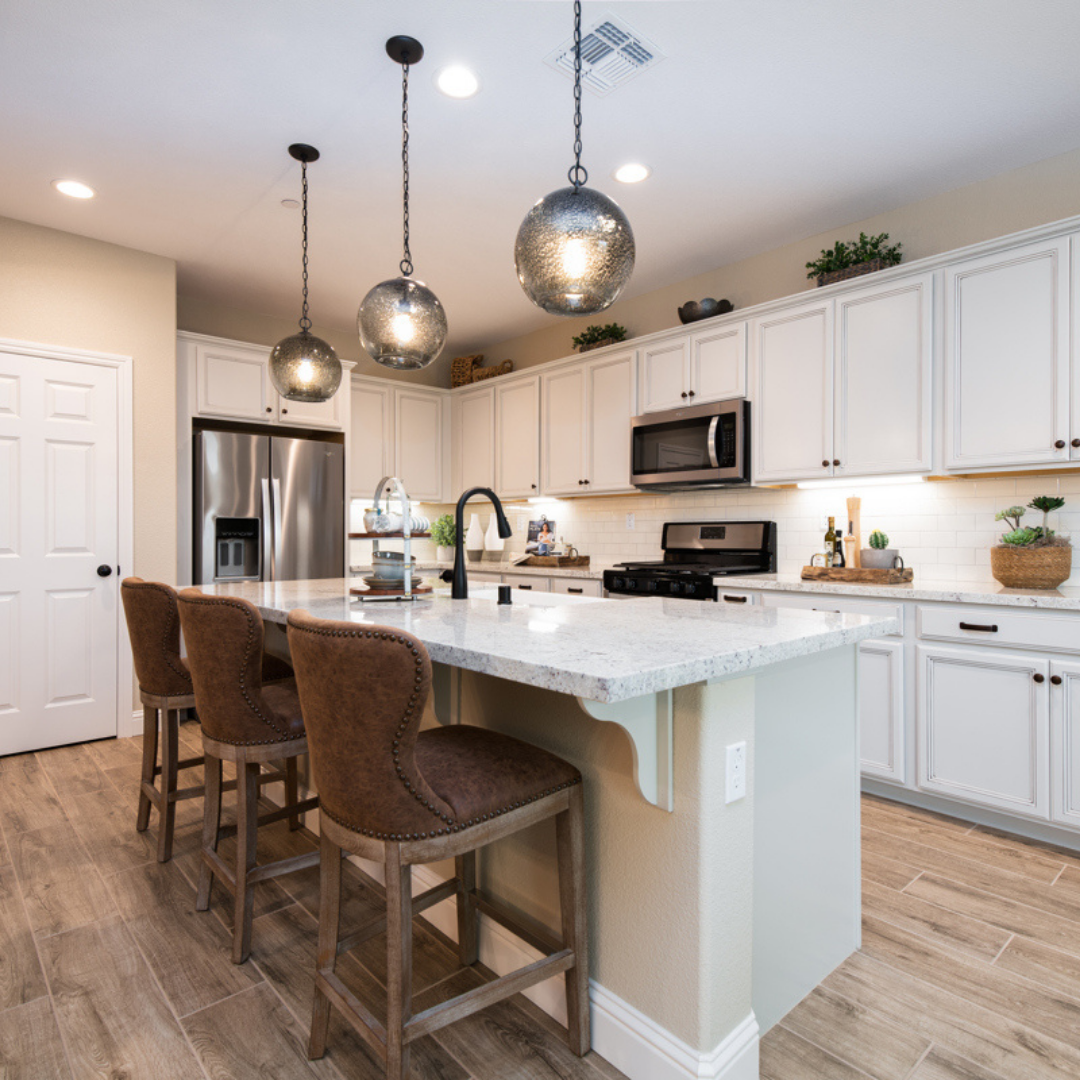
point(529, 582)
point(737, 597)
point(845, 605)
point(1000, 626)
point(577, 586)
point(478, 575)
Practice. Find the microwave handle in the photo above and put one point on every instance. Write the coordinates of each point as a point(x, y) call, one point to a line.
point(713, 425)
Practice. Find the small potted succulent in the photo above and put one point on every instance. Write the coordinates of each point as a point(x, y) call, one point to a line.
point(1031, 557)
point(879, 556)
point(853, 259)
point(443, 532)
point(595, 337)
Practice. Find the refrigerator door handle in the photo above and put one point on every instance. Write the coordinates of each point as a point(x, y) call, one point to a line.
point(266, 555)
point(278, 556)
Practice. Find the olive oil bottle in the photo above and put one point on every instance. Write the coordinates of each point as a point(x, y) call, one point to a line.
point(830, 543)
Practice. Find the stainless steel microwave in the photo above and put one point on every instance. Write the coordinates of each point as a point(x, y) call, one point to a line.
point(699, 446)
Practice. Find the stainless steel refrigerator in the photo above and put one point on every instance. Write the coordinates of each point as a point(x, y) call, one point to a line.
point(268, 508)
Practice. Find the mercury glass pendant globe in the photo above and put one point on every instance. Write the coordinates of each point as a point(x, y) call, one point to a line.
point(303, 367)
point(402, 324)
point(574, 252)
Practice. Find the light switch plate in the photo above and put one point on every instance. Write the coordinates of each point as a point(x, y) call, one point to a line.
point(735, 787)
point(630, 521)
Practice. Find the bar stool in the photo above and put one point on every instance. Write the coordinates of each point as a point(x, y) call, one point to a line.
point(249, 722)
point(400, 796)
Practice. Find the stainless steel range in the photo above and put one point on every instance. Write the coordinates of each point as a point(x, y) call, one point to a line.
point(695, 553)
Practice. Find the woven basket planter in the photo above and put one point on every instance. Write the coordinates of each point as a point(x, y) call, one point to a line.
point(851, 271)
point(1031, 568)
point(598, 344)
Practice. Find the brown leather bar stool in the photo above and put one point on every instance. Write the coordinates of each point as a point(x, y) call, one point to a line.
point(249, 722)
point(400, 796)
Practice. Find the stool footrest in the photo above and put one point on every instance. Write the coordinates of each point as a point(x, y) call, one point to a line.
point(268, 871)
point(360, 1018)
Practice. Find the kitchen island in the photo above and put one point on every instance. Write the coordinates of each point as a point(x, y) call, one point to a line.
point(710, 916)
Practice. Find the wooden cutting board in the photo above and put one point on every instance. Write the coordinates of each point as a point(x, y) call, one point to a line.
point(861, 576)
point(556, 560)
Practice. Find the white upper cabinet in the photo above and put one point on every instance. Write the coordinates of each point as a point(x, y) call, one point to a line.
point(473, 444)
point(882, 420)
point(611, 403)
point(718, 363)
point(418, 442)
point(563, 435)
point(517, 438)
point(665, 375)
point(317, 414)
point(1074, 418)
point(371, 446)
point(791, 359)
point(1007, 358)
point(234, 383)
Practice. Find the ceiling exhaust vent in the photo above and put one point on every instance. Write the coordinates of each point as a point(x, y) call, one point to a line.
point(611, 54)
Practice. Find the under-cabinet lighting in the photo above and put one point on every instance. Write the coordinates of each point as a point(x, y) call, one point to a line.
point(862, 481)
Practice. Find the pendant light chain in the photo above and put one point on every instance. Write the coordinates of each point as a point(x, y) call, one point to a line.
point(305, 322)
point(578, 174)
point(406, 265)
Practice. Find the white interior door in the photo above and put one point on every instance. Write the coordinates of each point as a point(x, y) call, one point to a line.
point(58, 525)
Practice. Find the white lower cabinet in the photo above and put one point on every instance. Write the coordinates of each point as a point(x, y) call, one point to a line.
point(881, 709)
point(983, 722)
point(1065, 743)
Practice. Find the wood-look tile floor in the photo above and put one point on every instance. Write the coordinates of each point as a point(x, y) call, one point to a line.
point(969, 968)
point(107, 971)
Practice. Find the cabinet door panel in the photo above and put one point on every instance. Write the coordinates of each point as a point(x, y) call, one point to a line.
point(474, 440)
point(610, 393)
point(234, 384)
point(882, 379)
point(1065, 744)
point(984, 730)
point(517, 438)
point(418, 443)
point(316, 414)
point(563, 432)
point(791, 354)
point(881, 709)
point(371, 438)
point(665, 375)
point(1007, 358)
point(718, 363)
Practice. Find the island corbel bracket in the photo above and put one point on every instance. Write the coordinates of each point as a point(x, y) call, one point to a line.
point(648, 722)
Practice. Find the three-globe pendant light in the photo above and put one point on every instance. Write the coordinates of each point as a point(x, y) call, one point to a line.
point(400, 321)
point(303, 367)
point(575, 249)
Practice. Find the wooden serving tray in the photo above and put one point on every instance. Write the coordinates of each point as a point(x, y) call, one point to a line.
point(862, 576)
point(418, 590)
point(556, 560)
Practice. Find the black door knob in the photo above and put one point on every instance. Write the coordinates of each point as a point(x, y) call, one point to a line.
point(1056, 680)
point(104, 570)
point(684, 393)
point(1076, 443)
point(825, 464)
point(1039, 678)
point(1059, 445)
point(836, 461)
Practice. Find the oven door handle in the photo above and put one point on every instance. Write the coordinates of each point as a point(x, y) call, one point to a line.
point(713, 425)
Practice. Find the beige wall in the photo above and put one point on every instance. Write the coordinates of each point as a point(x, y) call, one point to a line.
point(203, 317)
point(1034, 195)
point(60, 289)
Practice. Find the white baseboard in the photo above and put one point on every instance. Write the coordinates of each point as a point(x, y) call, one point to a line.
point(126, 728)
point(622, 1035)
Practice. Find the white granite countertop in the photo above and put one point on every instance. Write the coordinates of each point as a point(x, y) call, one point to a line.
point(1063, 599)
point(602, 650)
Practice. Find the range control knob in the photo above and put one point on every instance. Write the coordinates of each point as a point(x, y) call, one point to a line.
point(651, 586)
point(631, 584)
point(674, 588)
point(689, 588)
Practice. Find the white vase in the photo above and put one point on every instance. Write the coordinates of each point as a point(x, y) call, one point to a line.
point(474, 539)
point(492, 540)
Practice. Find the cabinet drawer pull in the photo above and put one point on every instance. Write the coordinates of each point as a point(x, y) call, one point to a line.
point(1056, 680)
point(735, 599)
point(524, 586)
point(1039, 678)
point(575, 590)
point(991, 629)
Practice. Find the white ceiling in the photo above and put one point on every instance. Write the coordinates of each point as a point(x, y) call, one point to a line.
point(769, 121)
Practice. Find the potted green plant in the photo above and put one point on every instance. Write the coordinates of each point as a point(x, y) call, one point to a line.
point(852, 259)
point(594, 337)
point(879, 556)
point(1031, 557)
point(444, 533)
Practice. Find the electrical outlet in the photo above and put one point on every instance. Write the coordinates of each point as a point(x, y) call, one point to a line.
point(735, 788)
point(630, 521)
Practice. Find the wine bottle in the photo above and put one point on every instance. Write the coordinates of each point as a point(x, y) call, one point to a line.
point(840, 560)
point(830, 543)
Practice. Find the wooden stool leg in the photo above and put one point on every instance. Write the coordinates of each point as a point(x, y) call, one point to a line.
point(570, 841)
point(211, 828)
point(292, 792)
point(467, 915)
point(149, 760)
point(398, 962)
point(247, 825)
point(329, 926)
point(170, 753)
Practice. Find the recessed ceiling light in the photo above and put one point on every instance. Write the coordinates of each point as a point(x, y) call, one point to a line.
point(457, 82)
point(290, 204)
point(632, 173)
point(74, 188)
